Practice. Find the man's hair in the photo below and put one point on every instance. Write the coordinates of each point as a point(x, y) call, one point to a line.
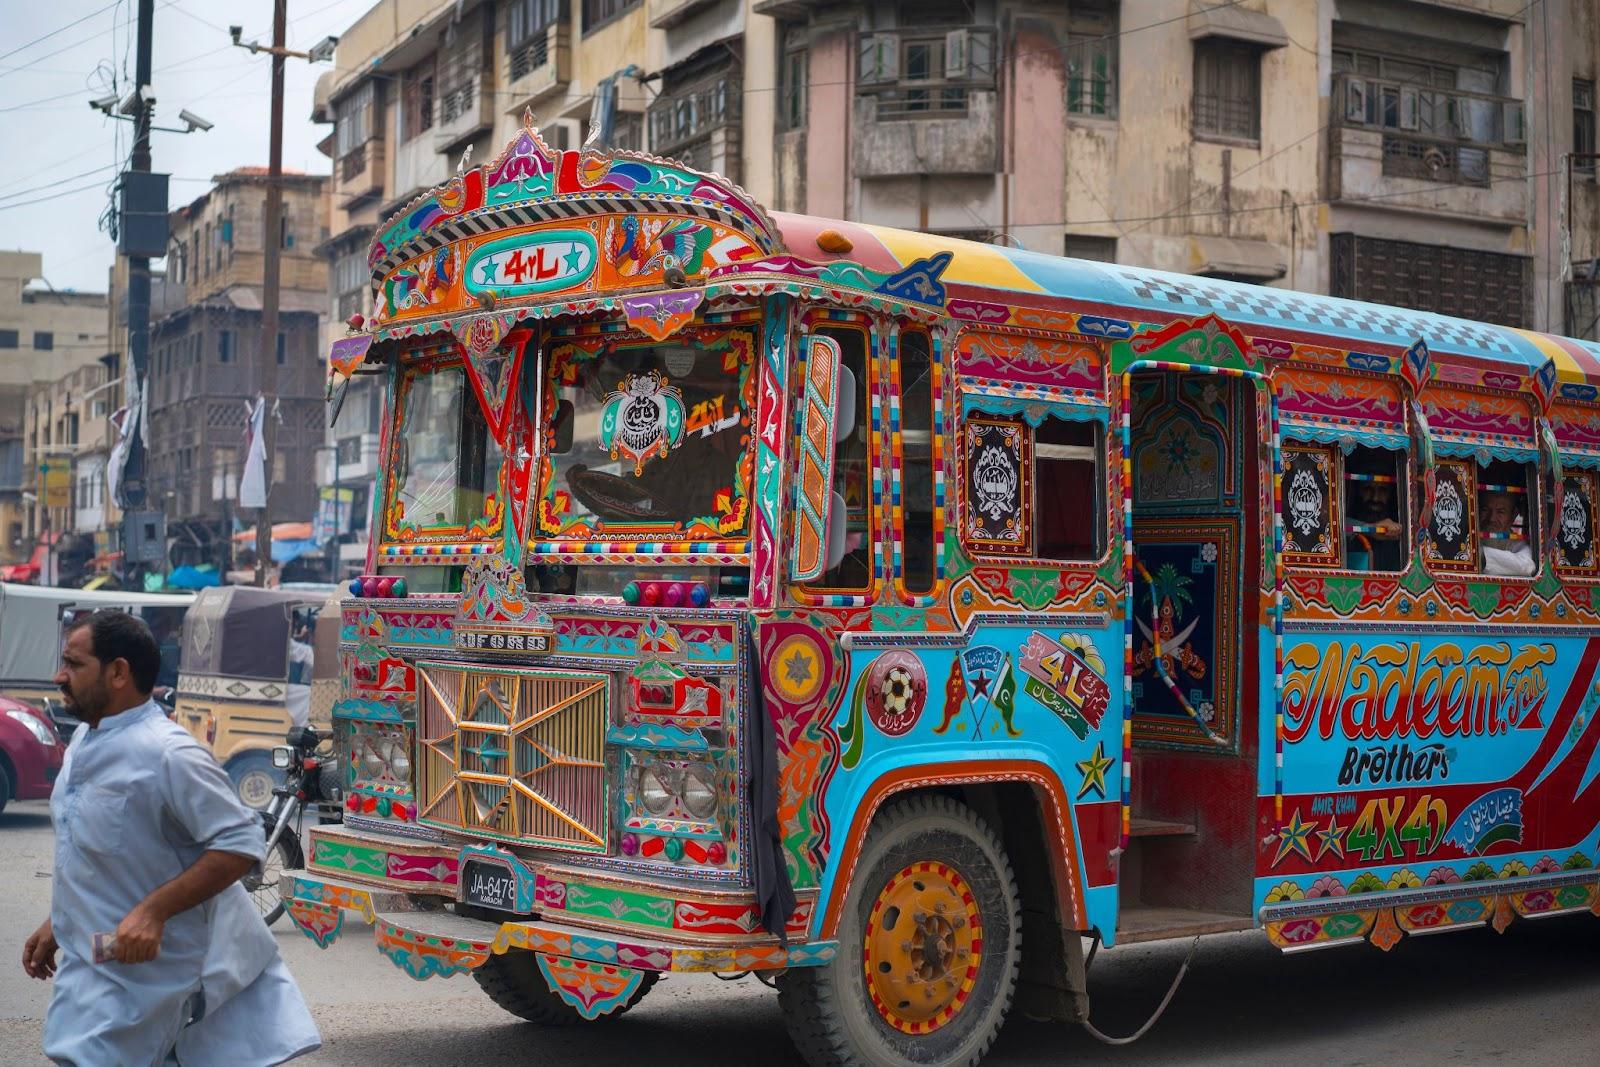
point(117, 635)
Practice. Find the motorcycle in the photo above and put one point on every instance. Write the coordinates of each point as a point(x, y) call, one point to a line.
point(310, 781)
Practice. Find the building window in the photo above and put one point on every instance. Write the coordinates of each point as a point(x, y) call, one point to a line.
point(352, 123)
point(459, 65)
point(416, 114)
point(597, 13)
point(1583, 306)
point(44, 340)
point(8, 338)
point(925, 75)
point(282, 348)
point(225, 346)
point(1583, 129)
point(690, 115)
point(1227, 90)
point(627, 131)
point(793, 73)
point(1485, 286)
point(528, 25)
point(1092, 59)
point(1099, 249)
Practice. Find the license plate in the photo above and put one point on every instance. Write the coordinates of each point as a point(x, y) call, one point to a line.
point(489, 885)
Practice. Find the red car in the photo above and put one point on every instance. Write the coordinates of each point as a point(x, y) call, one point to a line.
point(30, 753)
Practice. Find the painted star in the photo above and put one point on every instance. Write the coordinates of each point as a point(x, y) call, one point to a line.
point(1294, 836)
point(1094, 770)
point(489, 271)
point(574, 259)
point(797, 668)
point(980, 686)
point(1332, 839)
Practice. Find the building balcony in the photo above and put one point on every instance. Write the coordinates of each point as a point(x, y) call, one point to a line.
point(359, 173)
point(1461, 154)
point(698, 125)
point(926, 103)
point(465, 112)
point(540, 67)
point(418, 165)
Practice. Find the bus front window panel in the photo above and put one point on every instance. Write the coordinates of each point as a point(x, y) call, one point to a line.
point(647, 439)
point(1374, 530)
point(1506, 535)
point(852, 475)
point(447, 463)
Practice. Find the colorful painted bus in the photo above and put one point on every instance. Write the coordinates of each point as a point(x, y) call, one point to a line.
point(756, 592)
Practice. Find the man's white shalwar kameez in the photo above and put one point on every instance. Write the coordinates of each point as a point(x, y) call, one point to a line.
point(137, 803)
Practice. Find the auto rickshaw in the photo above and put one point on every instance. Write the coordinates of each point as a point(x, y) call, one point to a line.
point(255, 663)
point(30, 638)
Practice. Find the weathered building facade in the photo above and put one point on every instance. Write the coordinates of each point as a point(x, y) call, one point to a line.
point(207, 353)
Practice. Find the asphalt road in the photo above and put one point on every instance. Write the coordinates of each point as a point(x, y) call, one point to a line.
point(1529, 996)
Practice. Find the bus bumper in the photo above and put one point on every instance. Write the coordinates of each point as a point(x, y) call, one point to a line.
point(425, 941)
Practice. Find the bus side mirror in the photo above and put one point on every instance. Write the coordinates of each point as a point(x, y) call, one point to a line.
point(563, 428)
point(818, 432)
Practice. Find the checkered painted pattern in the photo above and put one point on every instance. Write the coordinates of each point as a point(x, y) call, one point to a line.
point(1341, 316)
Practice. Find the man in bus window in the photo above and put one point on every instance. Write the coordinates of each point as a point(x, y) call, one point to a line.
point(1498, 514)
point(1373, 504)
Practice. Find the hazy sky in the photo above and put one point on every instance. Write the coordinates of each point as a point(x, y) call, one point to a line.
point(58, 156)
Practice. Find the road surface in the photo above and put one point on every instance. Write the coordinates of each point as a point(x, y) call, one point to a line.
point(1529, 996)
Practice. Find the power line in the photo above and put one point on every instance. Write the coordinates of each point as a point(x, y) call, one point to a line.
point(58, 181)
point(63, 29)
point(75, 44)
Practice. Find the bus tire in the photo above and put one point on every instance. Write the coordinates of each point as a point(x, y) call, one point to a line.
point(254, 778)
point(514, 982)
point(899, 992)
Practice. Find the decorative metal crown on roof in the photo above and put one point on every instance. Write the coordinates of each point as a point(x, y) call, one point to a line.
point(532, 182)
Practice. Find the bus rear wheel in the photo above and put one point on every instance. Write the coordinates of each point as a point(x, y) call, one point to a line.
point(929, 945)
point(514, 982)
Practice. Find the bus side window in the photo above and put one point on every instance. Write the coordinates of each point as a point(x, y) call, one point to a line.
point(917, 460)
point(1374, 528)
point(1508, 534)
point(852, 474)
point(1069, 485)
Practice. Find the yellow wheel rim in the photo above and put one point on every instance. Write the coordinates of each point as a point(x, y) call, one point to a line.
point(923, 944)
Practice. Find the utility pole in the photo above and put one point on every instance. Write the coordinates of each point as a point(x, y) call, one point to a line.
point(133, 475)
point(272, 245)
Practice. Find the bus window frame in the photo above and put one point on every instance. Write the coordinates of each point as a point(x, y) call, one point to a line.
point(547, 366)
point(820, 319)
point(975, 399)
point(939, 423)
point(429, 361)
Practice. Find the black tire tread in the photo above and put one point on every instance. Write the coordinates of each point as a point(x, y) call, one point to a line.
point(514, 983)
point(809, 1000)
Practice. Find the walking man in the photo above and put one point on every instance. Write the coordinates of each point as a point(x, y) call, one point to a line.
point(163, 957)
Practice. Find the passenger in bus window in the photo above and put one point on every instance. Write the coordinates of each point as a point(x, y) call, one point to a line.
point(1374, 536)
point(1505, 543)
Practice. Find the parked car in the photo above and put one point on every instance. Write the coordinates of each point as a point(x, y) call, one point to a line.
point(30, 753)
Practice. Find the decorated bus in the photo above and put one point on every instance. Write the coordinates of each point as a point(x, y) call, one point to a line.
point(886, 614)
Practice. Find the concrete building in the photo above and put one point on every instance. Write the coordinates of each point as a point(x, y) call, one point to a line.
point(1405, 153)
point(67, 446)
point(43, 335)
point(206, 355)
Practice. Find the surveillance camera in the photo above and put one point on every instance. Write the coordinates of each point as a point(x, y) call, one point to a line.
point(322, 51)
point(104, 103)
point(193, 121)
point(235, 32)
point(141, 96)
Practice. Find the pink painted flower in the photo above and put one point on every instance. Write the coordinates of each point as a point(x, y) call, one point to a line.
point(1442, 876)
point(1326, 886)
point(1546, 865)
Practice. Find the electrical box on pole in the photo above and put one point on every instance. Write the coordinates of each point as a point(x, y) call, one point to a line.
point(142, 207)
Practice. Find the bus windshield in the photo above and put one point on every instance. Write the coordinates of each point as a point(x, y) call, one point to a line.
point(649, 440)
